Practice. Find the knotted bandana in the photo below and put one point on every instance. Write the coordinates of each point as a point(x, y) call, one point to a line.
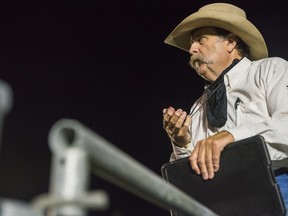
point(216, 107)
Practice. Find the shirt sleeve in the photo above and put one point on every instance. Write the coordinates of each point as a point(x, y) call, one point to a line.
point(180, 152)
point(274, 80)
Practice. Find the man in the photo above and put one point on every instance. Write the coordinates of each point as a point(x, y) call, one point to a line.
point(246, 95)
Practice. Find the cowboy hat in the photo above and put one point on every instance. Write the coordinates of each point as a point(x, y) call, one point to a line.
point(220, 15)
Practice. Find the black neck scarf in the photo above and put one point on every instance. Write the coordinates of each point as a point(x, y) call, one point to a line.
point(216, 107)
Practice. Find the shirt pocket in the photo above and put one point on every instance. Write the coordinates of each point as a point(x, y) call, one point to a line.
point(250, 112)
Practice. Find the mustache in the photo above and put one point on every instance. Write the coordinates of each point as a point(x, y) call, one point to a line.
point(196, 60)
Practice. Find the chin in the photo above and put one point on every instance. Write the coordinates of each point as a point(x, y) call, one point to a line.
point(202, 74)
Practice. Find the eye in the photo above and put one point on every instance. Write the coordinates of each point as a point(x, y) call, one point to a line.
point(199, 39)
point(202, 39)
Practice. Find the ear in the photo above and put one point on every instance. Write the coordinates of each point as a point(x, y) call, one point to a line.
point(232, 41)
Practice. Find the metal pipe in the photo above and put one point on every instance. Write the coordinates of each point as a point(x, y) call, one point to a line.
point(11, 207)
point(116, 166)
point(69, 180)
point(6, 102)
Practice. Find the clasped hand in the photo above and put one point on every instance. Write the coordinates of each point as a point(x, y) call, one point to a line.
point(176, 123)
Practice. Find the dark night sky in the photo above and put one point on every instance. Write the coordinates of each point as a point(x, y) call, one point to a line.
point(103, 63)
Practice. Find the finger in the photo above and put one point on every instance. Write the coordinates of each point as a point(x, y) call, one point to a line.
point(216, 158)
point(180, 122)
point(202, 160)
point(176, 116)
point(186, 124)
point(208, 159)
point(164, 111)
point(171, 124)
point(167, 116)
point(193, 160)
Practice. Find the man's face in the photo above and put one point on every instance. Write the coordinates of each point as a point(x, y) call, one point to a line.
point(209, 56)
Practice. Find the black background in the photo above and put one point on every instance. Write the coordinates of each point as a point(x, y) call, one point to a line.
point(103, 63)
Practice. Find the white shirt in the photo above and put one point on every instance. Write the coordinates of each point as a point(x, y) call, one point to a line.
point(257, 103)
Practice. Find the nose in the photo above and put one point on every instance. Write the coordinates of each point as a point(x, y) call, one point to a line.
point(194, 48)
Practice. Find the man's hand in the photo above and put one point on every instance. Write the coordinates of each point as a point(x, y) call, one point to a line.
point(205, 158)
point(176, 124)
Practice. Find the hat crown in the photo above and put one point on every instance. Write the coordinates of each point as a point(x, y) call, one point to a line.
point(223, 7)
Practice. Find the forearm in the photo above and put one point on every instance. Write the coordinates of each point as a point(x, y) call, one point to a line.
point(273, 131)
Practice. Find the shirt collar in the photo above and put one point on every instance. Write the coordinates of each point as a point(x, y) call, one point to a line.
point(236, 72)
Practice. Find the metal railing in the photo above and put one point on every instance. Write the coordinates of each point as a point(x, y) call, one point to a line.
point(78, 150)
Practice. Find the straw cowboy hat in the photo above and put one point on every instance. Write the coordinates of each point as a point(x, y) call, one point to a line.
point(221, 15)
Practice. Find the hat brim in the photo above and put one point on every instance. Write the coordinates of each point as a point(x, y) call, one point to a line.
point(249, 34)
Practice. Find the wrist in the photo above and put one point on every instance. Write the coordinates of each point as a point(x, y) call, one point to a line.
point(181, 145)
point(230, 138)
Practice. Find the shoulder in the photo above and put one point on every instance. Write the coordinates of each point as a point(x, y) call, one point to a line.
point(270, 66)
point(269, 69)
point(270, 62)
